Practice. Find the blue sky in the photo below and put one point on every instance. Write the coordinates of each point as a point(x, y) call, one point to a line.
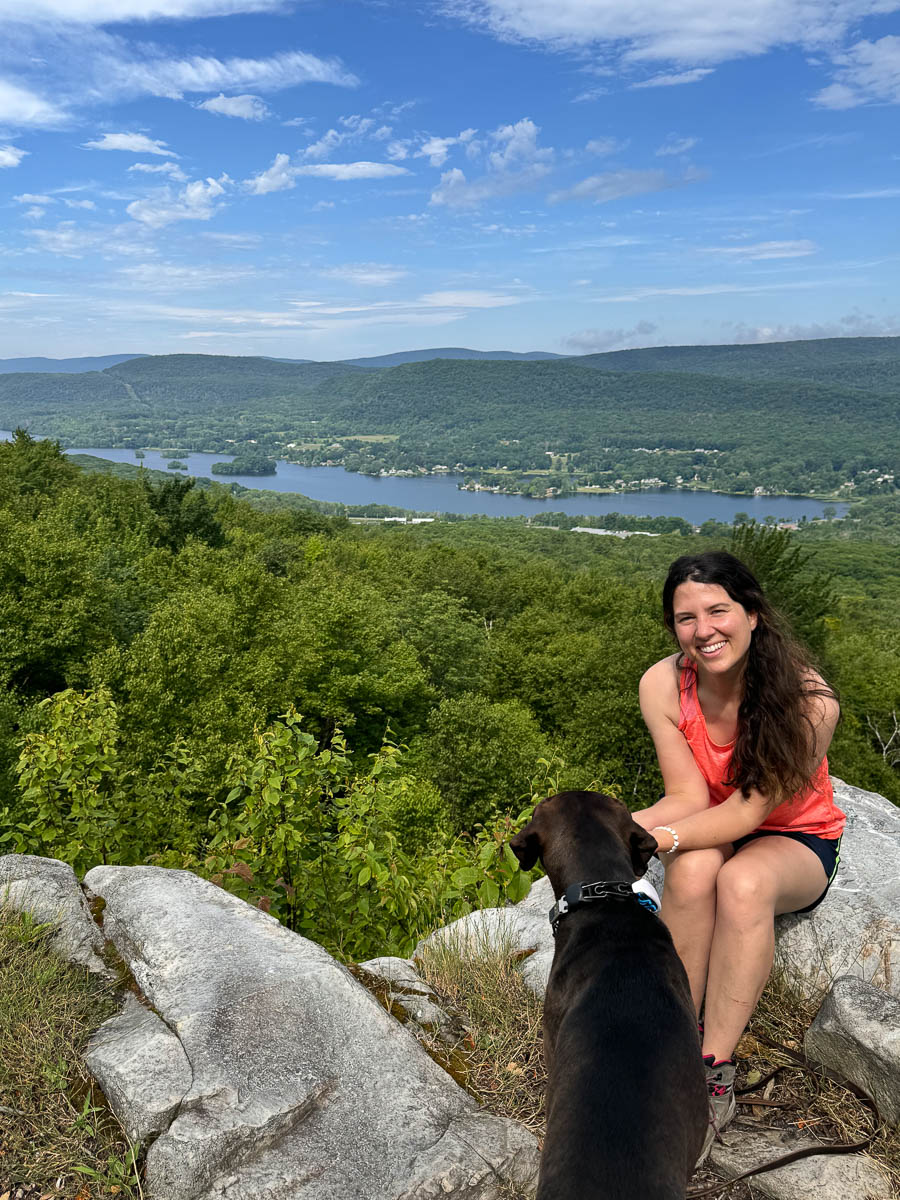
point(329, 180)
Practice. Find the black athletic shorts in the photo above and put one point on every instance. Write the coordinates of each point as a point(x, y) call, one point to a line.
point(827, 850)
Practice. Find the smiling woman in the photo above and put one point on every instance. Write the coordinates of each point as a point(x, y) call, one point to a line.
point(748, 827)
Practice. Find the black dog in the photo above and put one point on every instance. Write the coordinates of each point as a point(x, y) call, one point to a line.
point(626, 1103)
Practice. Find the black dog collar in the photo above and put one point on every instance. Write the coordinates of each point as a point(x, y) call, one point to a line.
point(579, 894)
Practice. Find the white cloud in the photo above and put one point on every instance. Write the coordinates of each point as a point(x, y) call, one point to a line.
point(436, 149)
point(686, 32)
point(248, 108)
point(614, 185)
point(351, 170)
point(105, 12)
point(11, 156)
point(514, 164)
point(676, 145)
point(134, 143)
point(167, 168)
point(196, 202)
point(277, 178)
point(674, 79)
point(602, 147)
point(853, 324)
point(867, 73)
point(326, 144)
point(473, 299)
point(397, 150)
point(888, 193)
point(21, 108)
point(765, 250)
point(33, 198)
point(88, 204)
point(235, 241)
point(173, 77)
point(368, 274)
point(595, 341)
point(74, 241)
point(709, 289)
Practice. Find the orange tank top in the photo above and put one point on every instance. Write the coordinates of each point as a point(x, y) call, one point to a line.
point(811, 810)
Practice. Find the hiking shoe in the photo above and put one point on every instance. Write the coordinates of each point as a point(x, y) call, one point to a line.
point(722, 1104)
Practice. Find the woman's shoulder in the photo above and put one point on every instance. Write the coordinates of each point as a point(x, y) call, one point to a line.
point(659, 686)
point(820, 697)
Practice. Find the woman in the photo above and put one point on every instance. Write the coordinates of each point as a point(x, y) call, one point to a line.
point(748, 827)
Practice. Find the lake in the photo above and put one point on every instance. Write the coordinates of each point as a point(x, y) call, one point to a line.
point(440, 493)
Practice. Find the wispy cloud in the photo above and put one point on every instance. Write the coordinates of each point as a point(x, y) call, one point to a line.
point(133, 143)
point(676, 145)
point(106, 12)
point(198, 201)
point(247, 107)
point(367, 274)
point(673, 79)
point(21, 108)
point(853, 324)
point(885, 193)
point(11, 156)
point(436, 149)
point(706, 289)
point(164, 277)
point(602, 147)
point(471, 299)
point(689, 33)
point(514, 162)
point(765, 250)
point(615, 185)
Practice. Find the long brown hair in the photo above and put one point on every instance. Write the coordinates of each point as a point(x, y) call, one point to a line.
point(773, 750)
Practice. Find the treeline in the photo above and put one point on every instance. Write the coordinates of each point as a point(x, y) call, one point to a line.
point(278, 699)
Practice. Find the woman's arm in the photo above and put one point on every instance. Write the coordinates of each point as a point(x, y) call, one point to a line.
point(686, 789)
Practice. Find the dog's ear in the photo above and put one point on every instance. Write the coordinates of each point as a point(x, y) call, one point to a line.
point(526, 846)
point(642, 846)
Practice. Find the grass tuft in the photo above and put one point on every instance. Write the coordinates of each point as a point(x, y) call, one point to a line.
point(58, 1138)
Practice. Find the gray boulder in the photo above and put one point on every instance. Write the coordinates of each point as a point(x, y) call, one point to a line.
point(303, 1087)
point(856, 930)
point(832, 1177)
point(142, 1069)
point(48, 890)
point(856, 1036)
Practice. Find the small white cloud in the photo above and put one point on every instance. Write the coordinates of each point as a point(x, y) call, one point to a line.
point(397, 150)
point(248, 108)
point(676, 145)
point(133, 143)
point(595, 341)
point(89, 204)
point(33, 198)
point(436, 149)
point(323, 205)
point(104, 12)
point(277, 178)
point(369, 274)
point(11, 156)
point(21, 108)
point(196, 202)
point(352, 170)
point(674, 79)
point(604, 146)
point(297, 122)
point(516, 163)
point(167, 168)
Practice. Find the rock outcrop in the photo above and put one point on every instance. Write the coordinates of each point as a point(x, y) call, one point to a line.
point(302, 1086)
point(856, 1036)
point(48, 889)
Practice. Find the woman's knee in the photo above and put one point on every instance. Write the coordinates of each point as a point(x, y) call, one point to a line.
point(692, 875)
point(745, 891)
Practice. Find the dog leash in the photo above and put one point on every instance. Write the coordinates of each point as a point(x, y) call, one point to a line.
point(579, 894)
point(803, 1064)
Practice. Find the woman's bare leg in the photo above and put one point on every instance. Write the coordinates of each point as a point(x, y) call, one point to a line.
point(768, 876)
point(689, 909)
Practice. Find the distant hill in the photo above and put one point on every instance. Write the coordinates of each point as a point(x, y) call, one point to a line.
point(866, 362)
point(410, 356)
point(62, 366)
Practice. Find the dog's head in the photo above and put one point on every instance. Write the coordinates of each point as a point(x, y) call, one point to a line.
point(572, 828)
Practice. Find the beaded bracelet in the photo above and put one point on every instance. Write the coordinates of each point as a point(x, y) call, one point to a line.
point(675, 838)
